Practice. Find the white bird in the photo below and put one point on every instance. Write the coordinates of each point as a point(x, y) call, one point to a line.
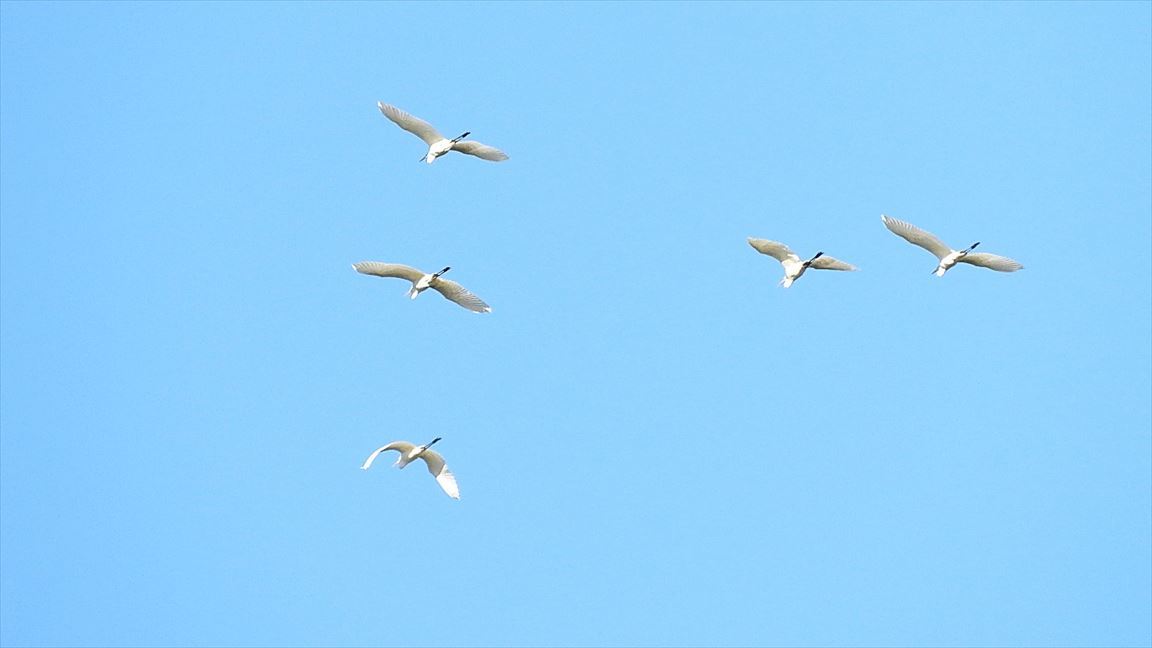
point(947, 256)
point(410, 452)
point(422, 281)
point(793, 266)
point(438, 144)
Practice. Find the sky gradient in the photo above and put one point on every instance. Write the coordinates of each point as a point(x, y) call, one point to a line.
point(655, 443)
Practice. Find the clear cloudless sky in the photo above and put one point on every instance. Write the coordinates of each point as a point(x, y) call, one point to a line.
point(655, 443)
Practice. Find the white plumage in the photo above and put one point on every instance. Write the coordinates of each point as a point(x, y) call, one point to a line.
point(410, 452)
point(793, 266)
point(947, 256)
point(438, 144)
point(422, 281)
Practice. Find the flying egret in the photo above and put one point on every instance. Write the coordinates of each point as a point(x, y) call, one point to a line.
point(438, 144)
point(947, 256)
point(422, 281)
point(410, 452)
point(793, 266)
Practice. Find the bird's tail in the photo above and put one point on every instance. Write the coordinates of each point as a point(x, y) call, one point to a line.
point(786, 281)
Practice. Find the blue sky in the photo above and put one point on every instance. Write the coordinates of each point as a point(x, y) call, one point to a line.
point(655, 444)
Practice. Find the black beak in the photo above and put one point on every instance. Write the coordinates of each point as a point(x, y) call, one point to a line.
point(466, 134)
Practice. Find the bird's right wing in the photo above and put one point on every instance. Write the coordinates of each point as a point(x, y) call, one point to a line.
point(825, 262)
point(414, 125)
point(482, 151)
point(991, 261)
point(440, 471)
point(457, 293)
point(397, 270)
point(776, 250)
point(916, 236)
point(403, 446)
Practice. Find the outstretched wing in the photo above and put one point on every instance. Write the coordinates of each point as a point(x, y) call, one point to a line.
point(916, 236)
point(440, 471)
point(482, 151)
point(457, 293)
point(991, 261)
point(397, 270)
point(776, 250)
point(402, 446)
point(414, 125)
point(825, 262)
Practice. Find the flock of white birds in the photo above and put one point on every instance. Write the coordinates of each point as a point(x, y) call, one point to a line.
point(947, 257)
point(794, 268)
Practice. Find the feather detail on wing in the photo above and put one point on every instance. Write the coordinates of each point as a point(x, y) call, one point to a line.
point(991, 261)
point(402, 446)
point(774, 249)
point(397, 270)
point(826, 262)
point(457, 293)
point(440, 471)
point(414, 125)
point(482, 151)
point(916, 236)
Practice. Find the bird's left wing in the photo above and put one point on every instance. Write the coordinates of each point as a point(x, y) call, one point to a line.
point(402, 446)
point(398, 270)
point(440, 471)
point(414, 125)
point(482, 151)
point(916, 236)
point(991, 261)
point(457, 293)
point(774, 249)
point(825, 262)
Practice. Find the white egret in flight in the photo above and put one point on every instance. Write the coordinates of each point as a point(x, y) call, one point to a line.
point(793, 266)
point(946, 255)
point(438, 144)
point(422, 281)
point(410, 452)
